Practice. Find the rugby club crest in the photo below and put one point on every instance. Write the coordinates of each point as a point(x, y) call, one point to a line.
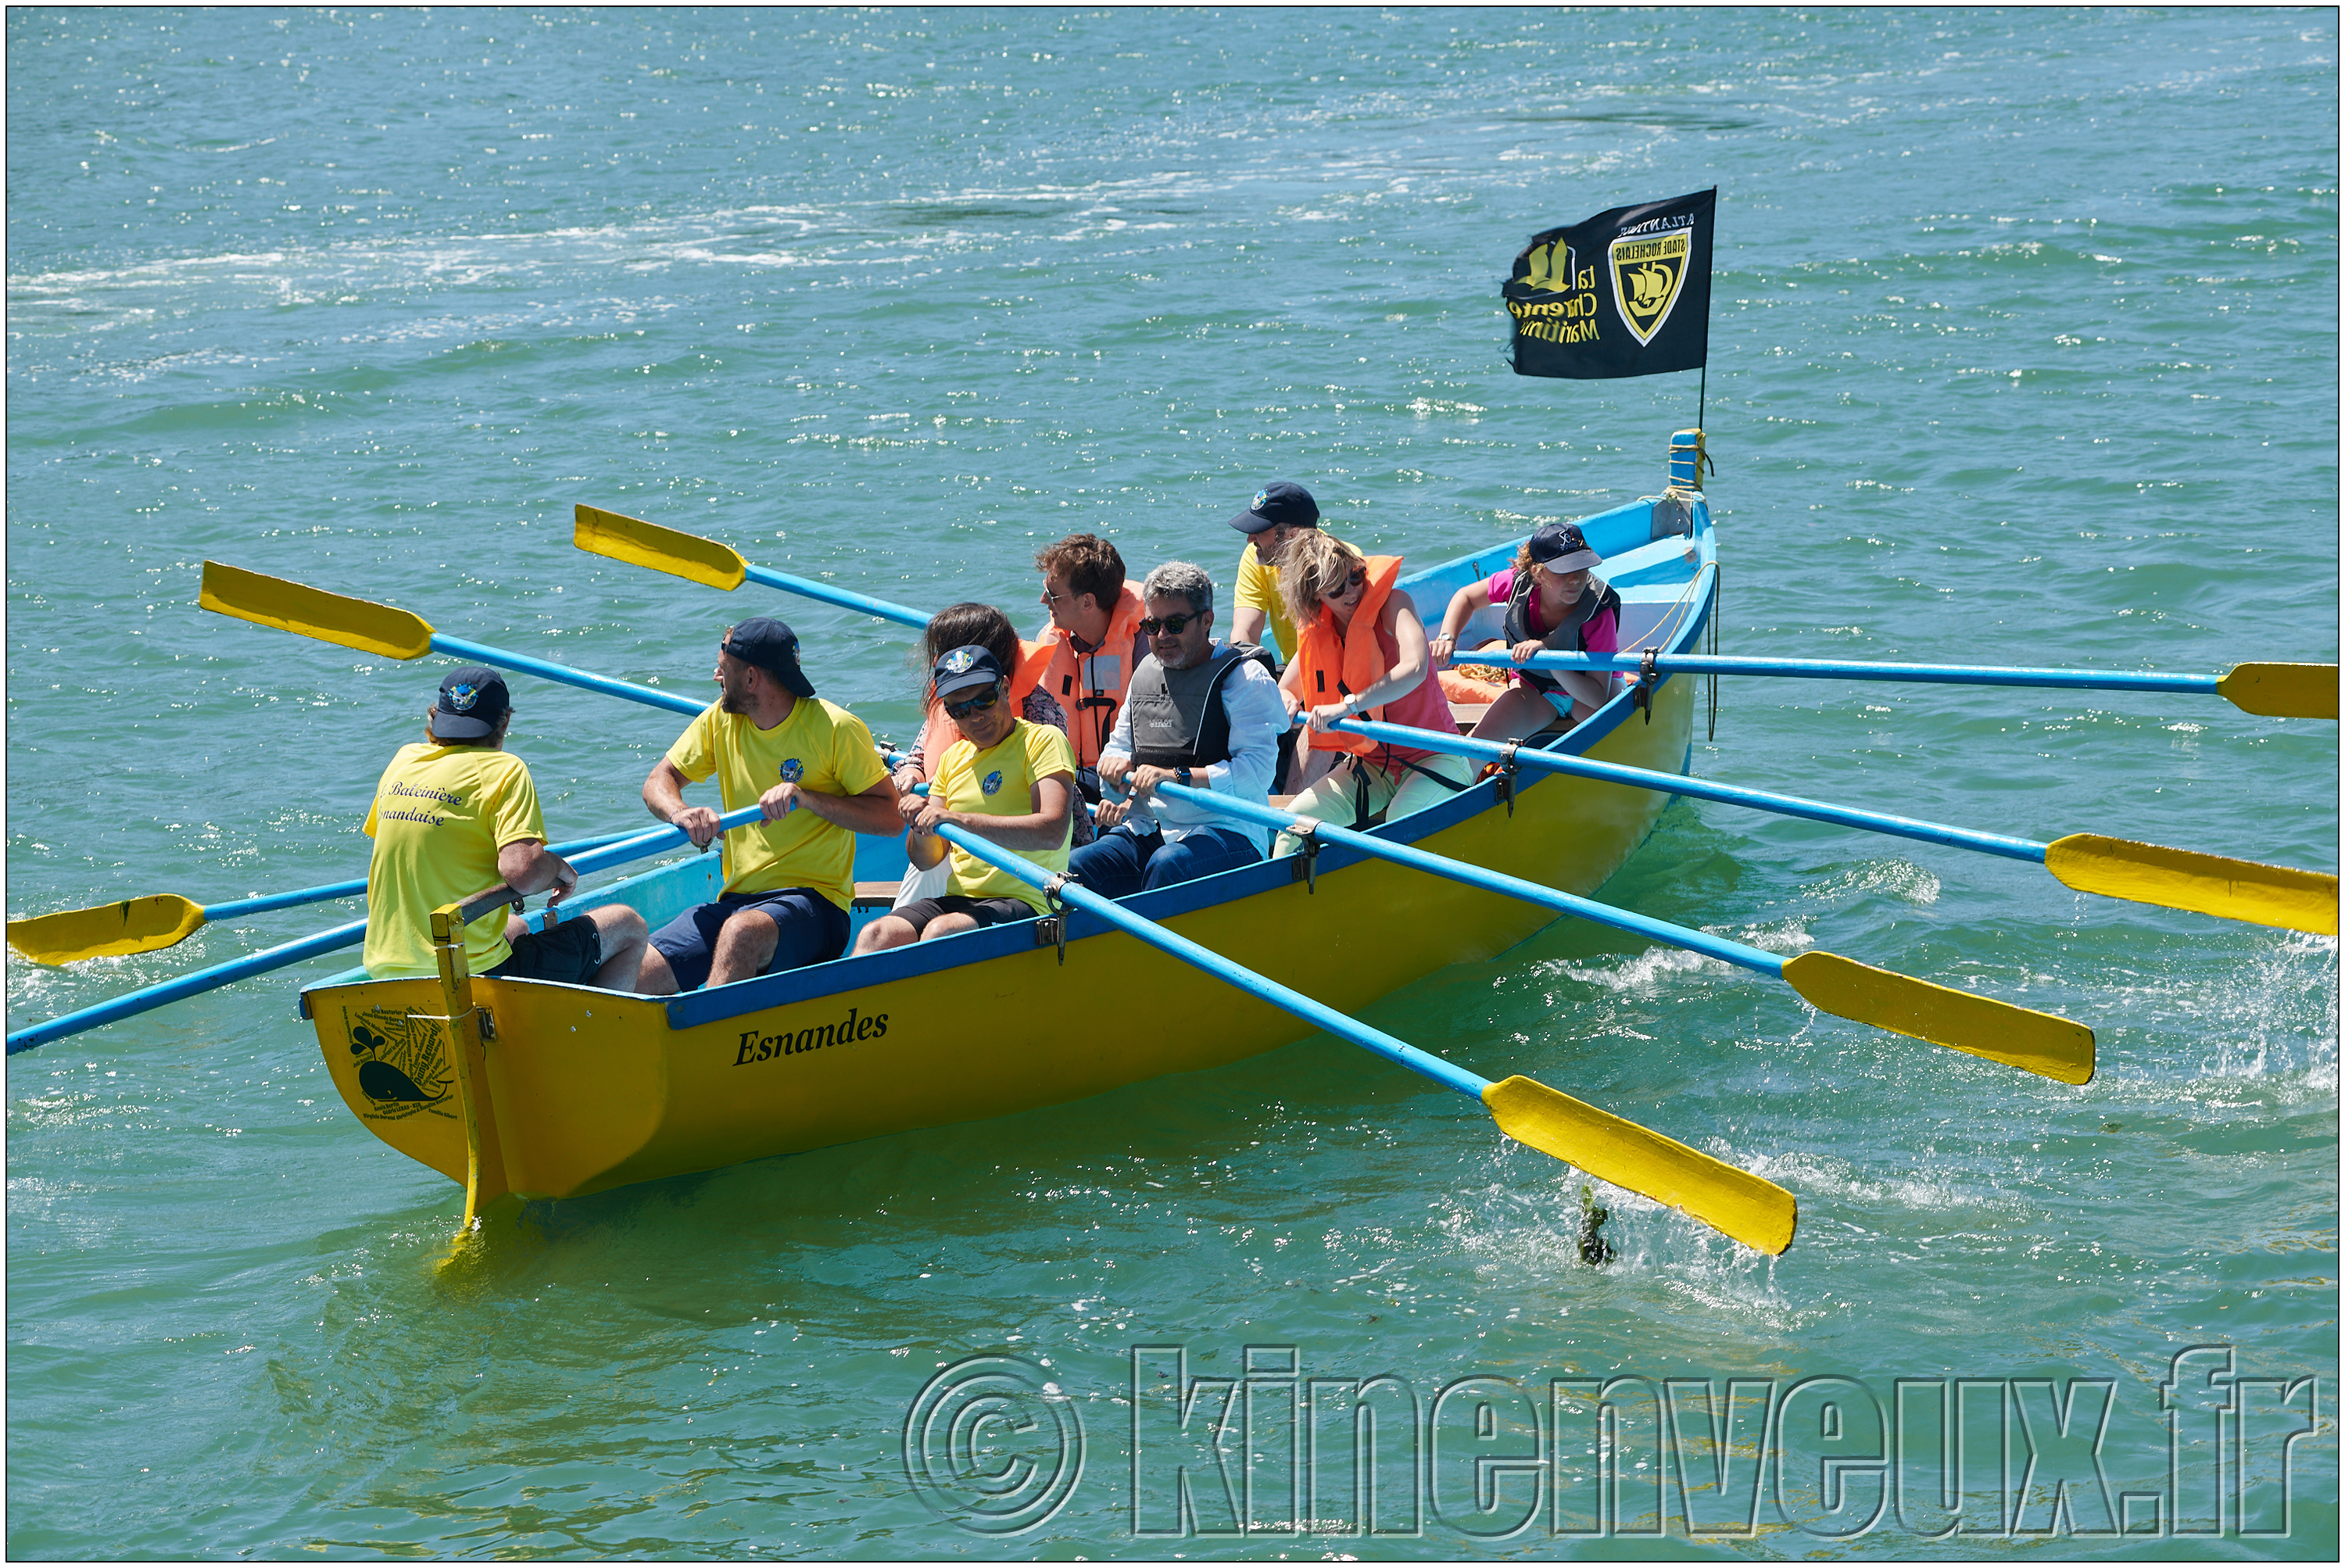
point(1647, 275)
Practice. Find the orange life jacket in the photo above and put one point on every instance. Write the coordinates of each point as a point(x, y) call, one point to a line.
point(1090, 686)
point(942, 732)
point(1334, 665)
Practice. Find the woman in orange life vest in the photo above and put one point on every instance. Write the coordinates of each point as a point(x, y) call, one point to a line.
point(1361, 652)
point(972, 626)
point(1094, 633)
point(1553, 601)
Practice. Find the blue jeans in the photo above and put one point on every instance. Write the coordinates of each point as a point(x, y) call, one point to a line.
point(1121, 862)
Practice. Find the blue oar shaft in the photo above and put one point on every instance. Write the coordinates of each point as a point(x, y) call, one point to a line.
point(1447, 1074)
point(482, 653)
point(1838, 670)
point(844, 597)
point(610, 852)
point(1718, 947)
point(1703, 790)
point(233, 909)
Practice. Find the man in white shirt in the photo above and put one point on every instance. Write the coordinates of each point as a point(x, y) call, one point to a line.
point(1200, 713)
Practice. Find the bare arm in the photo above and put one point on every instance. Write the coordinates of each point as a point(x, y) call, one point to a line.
point(663, 795)
point(1461, 609)
point(1408, 671)
point(529, 867)
point(1588, 687)
point(1247, 623)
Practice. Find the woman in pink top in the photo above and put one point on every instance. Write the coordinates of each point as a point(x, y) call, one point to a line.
point(1554, 603)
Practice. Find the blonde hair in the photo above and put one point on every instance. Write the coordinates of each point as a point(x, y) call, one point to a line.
point(1313, 569)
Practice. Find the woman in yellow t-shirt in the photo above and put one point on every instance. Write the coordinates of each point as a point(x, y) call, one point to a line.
point(1004, 779)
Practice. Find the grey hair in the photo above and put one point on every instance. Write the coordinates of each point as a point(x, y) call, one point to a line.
point(1179, 579)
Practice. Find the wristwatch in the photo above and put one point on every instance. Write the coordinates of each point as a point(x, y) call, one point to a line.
point(1180, 776)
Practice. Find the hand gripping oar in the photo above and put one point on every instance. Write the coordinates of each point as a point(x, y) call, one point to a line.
point(2089, 862)
point(2273, 690)
point(1755, 1212)
point(158, 920)
point(393, 633)
point(2041, 1042)
point(610, 852)
point(699, 560)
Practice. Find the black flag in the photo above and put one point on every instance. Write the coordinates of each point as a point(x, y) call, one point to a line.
point(1626, 293)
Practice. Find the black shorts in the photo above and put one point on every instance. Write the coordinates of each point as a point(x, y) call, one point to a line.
point(571, 952)
point(985, 912)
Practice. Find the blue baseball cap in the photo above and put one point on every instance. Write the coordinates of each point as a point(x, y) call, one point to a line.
point(1281, 501)
point(771, 646)
point(472, 701)
point(964, 670)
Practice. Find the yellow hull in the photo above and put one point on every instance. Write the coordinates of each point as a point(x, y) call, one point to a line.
point(590, 1090)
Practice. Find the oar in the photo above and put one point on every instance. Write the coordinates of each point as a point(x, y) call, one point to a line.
point(1754, 1212)
point(2273, 690)
point(393, 633)
point(2089, 862)
point(158, 920)
point(2040, 1043)
point(630, 847)
point(699, 560)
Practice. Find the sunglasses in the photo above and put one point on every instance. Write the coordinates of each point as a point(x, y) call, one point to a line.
point(1171, 626)
point(1356, 580)
point(977, 704)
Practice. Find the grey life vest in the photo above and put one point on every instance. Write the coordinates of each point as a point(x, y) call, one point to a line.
point(1176, 720)
point(1570, 635)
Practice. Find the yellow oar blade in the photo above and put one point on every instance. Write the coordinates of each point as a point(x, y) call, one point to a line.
point(134, 925)
point(642, 544)
point(1753, 1211)
point(2282, 690)
point(2206, 884)
point(2043, 1043)
point(313, 613)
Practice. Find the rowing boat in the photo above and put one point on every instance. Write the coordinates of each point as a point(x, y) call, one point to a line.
point(571, 1091)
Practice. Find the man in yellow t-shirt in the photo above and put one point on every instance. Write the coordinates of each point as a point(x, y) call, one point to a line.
point(456, 816)
point(791, 880)
point(1004, 779)
point(1281, 510)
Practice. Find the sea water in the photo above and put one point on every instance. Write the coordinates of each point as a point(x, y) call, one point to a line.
point(2023, 350)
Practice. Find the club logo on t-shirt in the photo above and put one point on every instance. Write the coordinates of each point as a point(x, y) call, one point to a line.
point(793, 770)
point(992, 785)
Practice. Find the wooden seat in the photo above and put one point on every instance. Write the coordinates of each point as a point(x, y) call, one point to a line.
point(876, 895)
